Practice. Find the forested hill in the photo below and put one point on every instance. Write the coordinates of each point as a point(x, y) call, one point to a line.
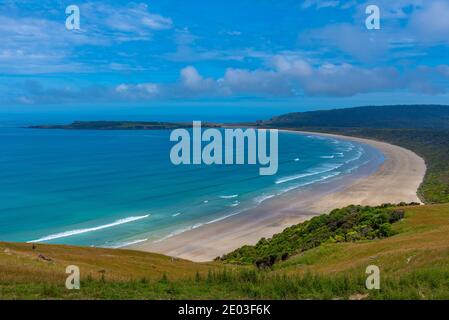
point(423, 129)
point(399, 116)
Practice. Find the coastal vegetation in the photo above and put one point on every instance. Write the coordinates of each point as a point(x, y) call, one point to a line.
point(424, 129)
point(431, 145)
point(414, 264)
point(324, 258)
point(348, 224)
point(390, 116)
point(120, 125)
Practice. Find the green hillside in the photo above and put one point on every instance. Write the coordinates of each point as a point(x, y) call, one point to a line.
point(431, 145)
point(399, 116)
point(423, 129)
point(120, 125)
point(414, 263)
point(324, 258)
point(348, 224)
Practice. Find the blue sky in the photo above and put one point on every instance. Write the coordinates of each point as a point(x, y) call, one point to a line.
point(297, 55)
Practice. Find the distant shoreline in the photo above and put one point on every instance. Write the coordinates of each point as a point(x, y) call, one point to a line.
point(122, 125)
point(397, 180)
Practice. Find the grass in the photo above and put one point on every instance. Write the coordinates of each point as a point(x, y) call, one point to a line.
point(349, 224)
point(420, 128)
point(414, 264)
point(431, 145)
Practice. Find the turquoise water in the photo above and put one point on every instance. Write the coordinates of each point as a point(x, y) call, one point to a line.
point(113, 188)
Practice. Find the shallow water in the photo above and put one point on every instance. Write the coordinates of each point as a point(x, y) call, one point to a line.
point(116, 188)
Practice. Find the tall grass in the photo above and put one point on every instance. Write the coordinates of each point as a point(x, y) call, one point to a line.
point(247, 284)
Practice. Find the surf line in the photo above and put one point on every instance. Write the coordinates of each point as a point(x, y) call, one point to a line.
point(239, 145)
point(81, 231)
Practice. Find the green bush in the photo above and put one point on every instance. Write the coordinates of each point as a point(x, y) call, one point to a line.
point(348, 224)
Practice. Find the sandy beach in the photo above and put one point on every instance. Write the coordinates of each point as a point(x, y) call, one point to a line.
point(397, 180)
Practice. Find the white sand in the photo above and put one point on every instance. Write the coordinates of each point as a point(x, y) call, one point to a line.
point(396, 180)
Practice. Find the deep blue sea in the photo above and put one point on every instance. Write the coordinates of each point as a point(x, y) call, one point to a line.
point(114, 188)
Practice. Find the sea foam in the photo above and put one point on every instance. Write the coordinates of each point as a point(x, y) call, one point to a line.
point(80, 231)
point(124, 244)
point(323, 169)
point(262, 198)
point(229, 197)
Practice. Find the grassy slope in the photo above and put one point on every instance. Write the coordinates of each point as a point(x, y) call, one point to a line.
point(393, 117)
point(431, 145)
point(414, 264)
point(23, 273)
point(423, 129)
point(349, 224)
point(424, 229)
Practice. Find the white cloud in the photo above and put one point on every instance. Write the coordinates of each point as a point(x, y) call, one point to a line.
point(397, 9)
point(287, 78)
point(347, 80)
point(134, 19)
point(141, 91)
point(234, 33)
point(194, 82)
point(188, 50)
point(355, 40)
point(33, 45)
point(319, 4)
point(259, 82)
point(293, 77)
point(292, 65)
point(408, 28)
point(431, 23)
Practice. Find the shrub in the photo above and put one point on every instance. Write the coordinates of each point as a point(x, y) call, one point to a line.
point(352, 223)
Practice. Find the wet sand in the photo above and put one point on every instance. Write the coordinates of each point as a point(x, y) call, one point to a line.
point(397, 180)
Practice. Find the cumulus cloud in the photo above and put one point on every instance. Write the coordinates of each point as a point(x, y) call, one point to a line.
point(258, 82)
point(140, 91)
point(287, 77)
point(291, 65)
point(337, 60)
point(298, 77)
point(346, 80)
point(34, 92)
point(192, 80)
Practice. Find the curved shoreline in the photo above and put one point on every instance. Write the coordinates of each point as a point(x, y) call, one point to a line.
point(397, 180)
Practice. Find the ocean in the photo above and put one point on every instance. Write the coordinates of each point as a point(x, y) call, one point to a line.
point(116, 188)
